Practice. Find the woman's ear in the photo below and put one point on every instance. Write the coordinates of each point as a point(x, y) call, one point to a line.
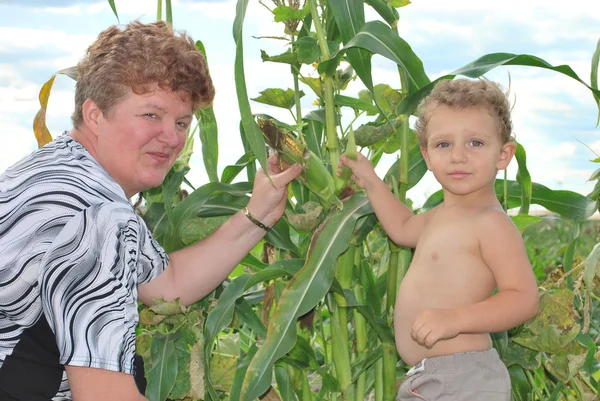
point(91, 114)
point(506, 154)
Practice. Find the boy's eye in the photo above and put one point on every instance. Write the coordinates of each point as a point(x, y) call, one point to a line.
point(443, 145)
point(476, 143)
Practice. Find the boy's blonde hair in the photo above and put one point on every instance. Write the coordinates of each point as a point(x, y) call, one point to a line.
point(464, 94)
point(141, 57)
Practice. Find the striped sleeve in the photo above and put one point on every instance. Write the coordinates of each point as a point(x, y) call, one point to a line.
point(89, 287)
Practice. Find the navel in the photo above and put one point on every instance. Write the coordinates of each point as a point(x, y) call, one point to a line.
point(434, 256)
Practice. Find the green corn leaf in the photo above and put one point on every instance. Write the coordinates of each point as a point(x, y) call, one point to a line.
point(522, 221)
point(303, 292)
point(521, 387)
point(386, 11)
point(250, 131)
point(524, 179)
point(357, 104)
point(378, 38)
point(248, 316)
point(594, 77)
point(209, 134)
point(568, 204)
point(416, 167)
point(114, 9)
point(313, 135)
point(162, 376)
point(230, 172)
point(242, 367)
point(350, 18)
point(482, 65)
point(284, 383)
point(184, 212)
point(222, 314)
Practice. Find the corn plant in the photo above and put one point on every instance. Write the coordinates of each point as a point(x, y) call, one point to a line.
point(307, 315)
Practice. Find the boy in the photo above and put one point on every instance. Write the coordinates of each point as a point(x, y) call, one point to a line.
point(465, 248)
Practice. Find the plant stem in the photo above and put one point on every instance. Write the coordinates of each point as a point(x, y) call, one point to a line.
point(533, 385)
point(159, 10)
point(332, 139)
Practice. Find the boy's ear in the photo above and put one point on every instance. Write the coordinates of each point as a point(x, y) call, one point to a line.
point(91, 114)
point(506, 154)
point(425, 155)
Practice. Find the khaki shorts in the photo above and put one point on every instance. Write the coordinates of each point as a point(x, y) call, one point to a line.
point(467, 376)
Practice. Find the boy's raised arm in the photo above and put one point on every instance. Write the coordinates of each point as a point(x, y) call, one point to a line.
point(401, 225)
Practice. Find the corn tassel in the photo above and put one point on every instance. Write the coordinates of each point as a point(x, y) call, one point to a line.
point(315, 175)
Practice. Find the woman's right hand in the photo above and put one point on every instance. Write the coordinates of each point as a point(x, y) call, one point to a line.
point(363, 173)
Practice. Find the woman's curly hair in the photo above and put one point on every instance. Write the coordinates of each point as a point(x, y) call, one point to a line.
point(463, 94)
point(141, 57)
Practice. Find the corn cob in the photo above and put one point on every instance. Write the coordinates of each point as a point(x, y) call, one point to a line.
point(315, 175)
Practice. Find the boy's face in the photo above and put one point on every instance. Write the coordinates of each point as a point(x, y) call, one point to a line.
point(464, 150)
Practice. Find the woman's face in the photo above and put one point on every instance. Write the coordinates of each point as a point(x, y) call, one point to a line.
point(139, 139)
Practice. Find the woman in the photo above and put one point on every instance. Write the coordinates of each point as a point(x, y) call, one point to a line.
point(75, 256)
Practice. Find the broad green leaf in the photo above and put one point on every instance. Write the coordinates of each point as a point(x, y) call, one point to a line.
point(284, 13)
point(482, 65)
point(200, 228)
point(183, 345)
point(378, 38)
point(416, 167)
point(371, 133)
point(522, 221)
point(230, 172)
point(287, 57)
point(196, 369)
point(307, 49)
point(386, 10)
point(357, 104)
point(303, 292)
point(568, 204)
point(314, 84)
point(524, 179)
point(278, 97)
point(40, 130)
point(555, 325)
point(250, 131)
point(566, 364)
point(161, 378)
point(518, 355)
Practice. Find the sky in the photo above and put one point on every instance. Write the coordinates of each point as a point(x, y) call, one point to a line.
point(554, 117)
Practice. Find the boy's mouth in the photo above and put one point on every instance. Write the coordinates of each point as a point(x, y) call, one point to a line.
point(459, 174)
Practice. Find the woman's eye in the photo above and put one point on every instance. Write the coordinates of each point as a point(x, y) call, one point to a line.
point(150, 115)
point(183, 125)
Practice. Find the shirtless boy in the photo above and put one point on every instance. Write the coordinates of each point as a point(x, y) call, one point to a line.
point(466, 248)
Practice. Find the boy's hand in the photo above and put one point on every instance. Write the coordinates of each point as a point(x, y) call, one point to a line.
point(363, 173)
point(433, 325)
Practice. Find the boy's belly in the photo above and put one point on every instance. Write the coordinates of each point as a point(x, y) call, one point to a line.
point(416, 295)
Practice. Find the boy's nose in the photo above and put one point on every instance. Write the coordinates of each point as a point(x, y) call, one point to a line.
point(458, 155)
